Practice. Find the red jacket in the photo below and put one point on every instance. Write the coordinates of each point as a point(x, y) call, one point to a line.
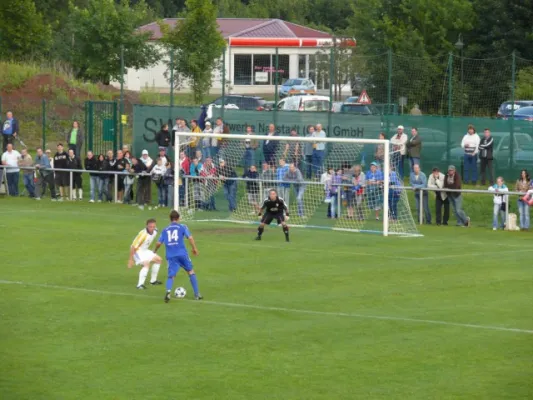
point(185, 165)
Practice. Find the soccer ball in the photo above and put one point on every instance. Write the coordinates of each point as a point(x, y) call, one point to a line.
point(180, 292)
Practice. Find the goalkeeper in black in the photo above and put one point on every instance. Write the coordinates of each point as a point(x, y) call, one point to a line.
point(275, 208)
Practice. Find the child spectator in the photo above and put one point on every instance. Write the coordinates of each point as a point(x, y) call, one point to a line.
point(500, 201)
point(325, 179)
point(522, 186)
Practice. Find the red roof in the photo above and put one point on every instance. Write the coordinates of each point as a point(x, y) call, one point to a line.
point(248, 27)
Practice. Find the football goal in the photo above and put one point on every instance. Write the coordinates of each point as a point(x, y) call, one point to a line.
point(329, 183)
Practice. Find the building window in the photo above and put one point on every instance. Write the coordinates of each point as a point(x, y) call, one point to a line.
point(242, 69)
point(262, 68)
point(283, 68)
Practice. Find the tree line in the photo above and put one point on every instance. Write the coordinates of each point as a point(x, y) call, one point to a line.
point(89, 35)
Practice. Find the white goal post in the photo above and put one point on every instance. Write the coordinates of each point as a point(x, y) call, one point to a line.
point(359, 205)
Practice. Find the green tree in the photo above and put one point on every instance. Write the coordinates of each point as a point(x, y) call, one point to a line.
point(99, 31)
point(197, 45)
point(23, 33)
point(524, 84)
point(420, 35)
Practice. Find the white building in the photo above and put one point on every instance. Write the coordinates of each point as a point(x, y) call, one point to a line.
point(250, 57)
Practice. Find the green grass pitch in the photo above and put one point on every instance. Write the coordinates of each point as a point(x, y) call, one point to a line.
point(330, 315)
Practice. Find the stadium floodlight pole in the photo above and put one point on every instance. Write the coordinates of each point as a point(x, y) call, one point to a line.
point(386, 187)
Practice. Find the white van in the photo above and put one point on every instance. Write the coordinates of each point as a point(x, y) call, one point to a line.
point(305, 103)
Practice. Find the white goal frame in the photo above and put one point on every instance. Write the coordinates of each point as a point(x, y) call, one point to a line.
point(262, 138)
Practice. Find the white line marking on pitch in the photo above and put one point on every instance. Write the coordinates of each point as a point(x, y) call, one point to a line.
point(286, 310)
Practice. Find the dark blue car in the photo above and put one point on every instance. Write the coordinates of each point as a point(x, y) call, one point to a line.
point(506, 109)
point(524, 114)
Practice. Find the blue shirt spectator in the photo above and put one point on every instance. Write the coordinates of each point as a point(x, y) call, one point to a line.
point(10, 129)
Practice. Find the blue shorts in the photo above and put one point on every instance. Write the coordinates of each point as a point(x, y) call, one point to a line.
point(175, 263)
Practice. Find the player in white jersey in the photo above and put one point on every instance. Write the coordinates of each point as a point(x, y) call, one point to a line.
point(140, 254)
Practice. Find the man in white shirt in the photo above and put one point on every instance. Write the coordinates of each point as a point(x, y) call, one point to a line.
point(398, 142)
point(319, 150)
point(436, 181)
point(470, 144)
point(11, 160)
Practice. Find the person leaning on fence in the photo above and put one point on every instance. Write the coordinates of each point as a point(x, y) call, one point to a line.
point(10, 130)
point(292, 151)
point(227, 175)
point(45, 177)
point(91, 164)
point(523, 184)
point(143, 182)
point(414, 148)
point(168, 181)
point(253, 189)
point(418, 181)
point(470, 144)
point(453, 181)
point(374, 186)
point(485, 156)
point(102, 181)
point(398, 142)
point(129, 181)
point(500, 203)
point(250, 146)
point(74, 138)
point(26, 161)
point(207, 141)
point(270, 147)
point(156, 174)
point(62, 177)
point(436, 181)
point(358, 190)
point(74, 162)
point(379, 152)
point(295, 177)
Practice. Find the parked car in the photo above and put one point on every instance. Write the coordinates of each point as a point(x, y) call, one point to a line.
point(502, 151)
point(297, 86)
point(336, 106)
point(524, 114)
point(304, 103)
point(352, 99)
point(241, 102)
point(359, 109)
point(506, 108)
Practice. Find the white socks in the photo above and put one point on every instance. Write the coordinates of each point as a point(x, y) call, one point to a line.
point(143, 273)
point(155, 271)
point(80, 191)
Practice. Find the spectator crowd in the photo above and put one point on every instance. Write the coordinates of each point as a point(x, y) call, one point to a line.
point(211, 163)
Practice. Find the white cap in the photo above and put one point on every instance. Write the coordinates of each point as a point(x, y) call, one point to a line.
point(208, 123)
point(144, 152)
point(400, 127)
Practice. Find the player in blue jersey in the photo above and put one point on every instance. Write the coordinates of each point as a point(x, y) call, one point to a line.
point(173, 237)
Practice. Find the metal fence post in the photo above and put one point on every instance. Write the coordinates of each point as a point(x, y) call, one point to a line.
point(44, 123)
point(276, 89)
point(511, 130)
point(71, 184)
point(223, 83)
point(186, 183)
point(171, 83)
point(331, 83)
point(421, 207)
point(450, 110)
point(121, 128)
point(389, 83)
point(116, 188)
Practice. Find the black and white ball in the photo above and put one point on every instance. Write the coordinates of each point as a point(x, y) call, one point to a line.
point(180, 292)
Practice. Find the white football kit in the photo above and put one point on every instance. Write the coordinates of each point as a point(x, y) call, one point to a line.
point(142, 244)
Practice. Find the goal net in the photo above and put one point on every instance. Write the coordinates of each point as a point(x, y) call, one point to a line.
point(340, 184)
